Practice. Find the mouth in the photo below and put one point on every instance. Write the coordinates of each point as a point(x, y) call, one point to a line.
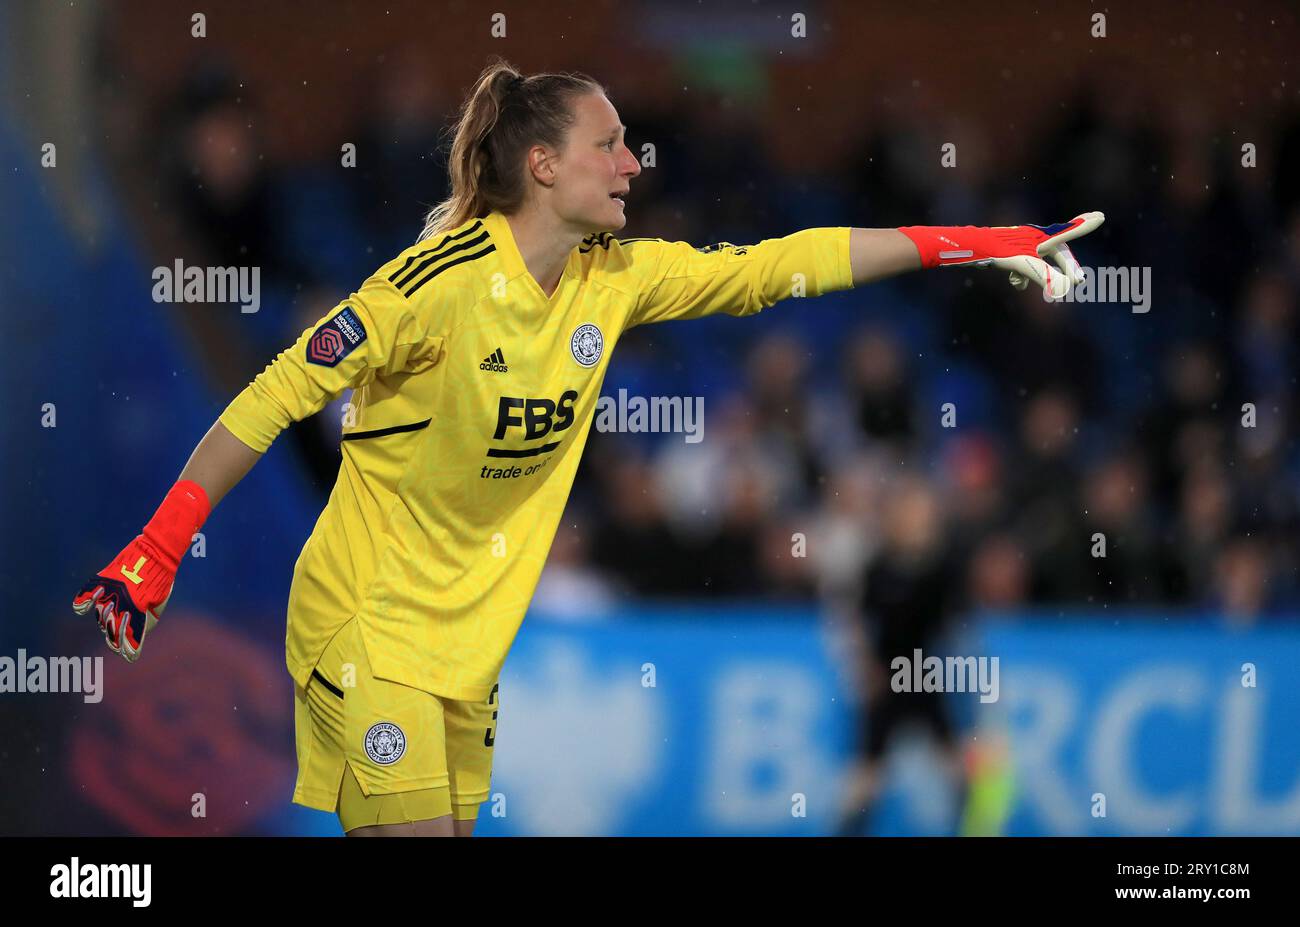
point(620, 197)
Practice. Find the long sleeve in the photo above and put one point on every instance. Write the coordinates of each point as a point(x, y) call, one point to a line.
point(375, 332)
point(680, 281)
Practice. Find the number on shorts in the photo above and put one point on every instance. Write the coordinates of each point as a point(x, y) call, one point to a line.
point(490, 737)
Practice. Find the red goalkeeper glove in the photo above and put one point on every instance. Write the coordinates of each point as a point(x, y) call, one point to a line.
point(130, 593)
point(1019, 249)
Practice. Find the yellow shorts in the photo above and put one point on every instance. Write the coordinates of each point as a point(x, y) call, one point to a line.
point(378, 752)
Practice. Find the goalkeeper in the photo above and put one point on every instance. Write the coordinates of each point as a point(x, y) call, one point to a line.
point(476, 359)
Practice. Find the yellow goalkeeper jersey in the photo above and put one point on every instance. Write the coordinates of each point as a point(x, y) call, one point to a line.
point(473, 395)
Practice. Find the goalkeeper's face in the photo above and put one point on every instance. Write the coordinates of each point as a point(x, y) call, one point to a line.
point(595, 168)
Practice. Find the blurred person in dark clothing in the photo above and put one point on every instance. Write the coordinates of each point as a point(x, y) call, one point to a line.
point(846, 531)
point(777, 373)
point(891, 172)
point(220, 184)
point(632, 539)
point(1044, 348)
point(975, 494)
point(1202, 218)
point(719, 141)
point(879, 387)
point(399, 158)
point(1185, 426)
point(718, 496)
point(1044, 497)
point(1103, 148)
point(728, 561)
point(907, 602)
point(1133, 569)
point(1265, 339)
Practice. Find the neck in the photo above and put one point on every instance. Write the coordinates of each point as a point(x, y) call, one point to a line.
point(544, 243)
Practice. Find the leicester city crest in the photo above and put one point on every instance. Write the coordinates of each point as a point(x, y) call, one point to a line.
point(587, 344)
point(385, 743)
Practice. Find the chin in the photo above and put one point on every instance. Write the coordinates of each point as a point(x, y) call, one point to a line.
point(618, 220)
point(616, 224)
point(604, 221)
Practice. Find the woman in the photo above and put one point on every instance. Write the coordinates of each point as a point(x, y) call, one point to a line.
point(476, 357)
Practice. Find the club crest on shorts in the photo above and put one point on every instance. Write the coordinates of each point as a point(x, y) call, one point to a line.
point(587, 344)
point(385, 743)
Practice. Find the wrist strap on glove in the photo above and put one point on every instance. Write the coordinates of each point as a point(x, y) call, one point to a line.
point(182, 512)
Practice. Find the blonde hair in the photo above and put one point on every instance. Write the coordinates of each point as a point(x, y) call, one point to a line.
point(503, 116)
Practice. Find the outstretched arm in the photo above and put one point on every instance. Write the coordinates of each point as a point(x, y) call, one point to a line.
point(681, 281)
point(1022, 250)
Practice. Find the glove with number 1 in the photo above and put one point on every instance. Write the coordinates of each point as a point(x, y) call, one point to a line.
point(130, 593)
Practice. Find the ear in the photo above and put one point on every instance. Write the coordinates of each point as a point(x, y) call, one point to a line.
point(541, 163)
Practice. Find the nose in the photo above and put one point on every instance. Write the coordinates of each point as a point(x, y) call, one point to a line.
point(631, 165)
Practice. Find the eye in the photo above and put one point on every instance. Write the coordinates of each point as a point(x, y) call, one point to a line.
point(609, 144)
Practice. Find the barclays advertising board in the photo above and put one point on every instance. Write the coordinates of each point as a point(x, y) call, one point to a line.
point(705, 721)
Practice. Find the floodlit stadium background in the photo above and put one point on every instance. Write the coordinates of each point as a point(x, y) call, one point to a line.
point(1120, 677)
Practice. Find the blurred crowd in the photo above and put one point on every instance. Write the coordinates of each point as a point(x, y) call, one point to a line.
point(1094, 456)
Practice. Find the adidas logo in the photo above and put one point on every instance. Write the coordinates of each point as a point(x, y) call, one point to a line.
point(494, 362)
